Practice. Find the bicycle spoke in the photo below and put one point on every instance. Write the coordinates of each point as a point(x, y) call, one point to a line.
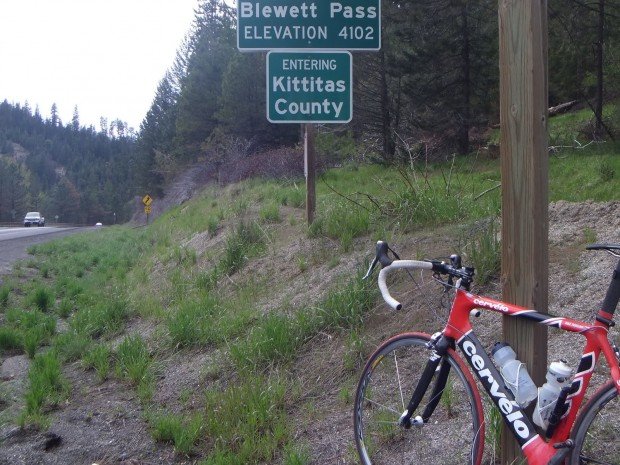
point(384, 407)
point(450, 438)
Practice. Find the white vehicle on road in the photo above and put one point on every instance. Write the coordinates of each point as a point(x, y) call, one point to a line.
point(34, 219)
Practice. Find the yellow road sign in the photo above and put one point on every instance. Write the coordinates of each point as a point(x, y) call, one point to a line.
point(147, 200)
point(147, 209)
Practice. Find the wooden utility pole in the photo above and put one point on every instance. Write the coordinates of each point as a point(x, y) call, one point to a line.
point(524, 166)
point(310, 171)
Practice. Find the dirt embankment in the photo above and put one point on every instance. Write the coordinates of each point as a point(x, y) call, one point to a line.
point(104, 423)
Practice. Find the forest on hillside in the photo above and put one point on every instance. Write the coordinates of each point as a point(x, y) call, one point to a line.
point(433, 88)
point(71, 174)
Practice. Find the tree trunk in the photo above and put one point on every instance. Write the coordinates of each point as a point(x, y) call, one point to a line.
point(386, 121)
point(463, 137)
point(598, 110)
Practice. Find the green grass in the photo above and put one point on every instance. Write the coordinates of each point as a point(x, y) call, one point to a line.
point(586, 175)
point(246, 241)
point(270, 213)
point(10, 339)
point(5, 292)
point(192, 323)
point(133, 361)
point(34, 327)
point(276, 337)
point(98, 357)
point(184, 432)
point(208, 300)
point(71, 346)
point(47, 387)
point(247, 422)
point(41, 298)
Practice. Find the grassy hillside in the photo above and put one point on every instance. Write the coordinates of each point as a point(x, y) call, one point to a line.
point(235, 324)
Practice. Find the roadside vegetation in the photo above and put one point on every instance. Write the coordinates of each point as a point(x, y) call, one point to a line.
point(237, 275)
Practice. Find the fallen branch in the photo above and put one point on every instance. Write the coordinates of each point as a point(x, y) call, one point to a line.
point(561, 108)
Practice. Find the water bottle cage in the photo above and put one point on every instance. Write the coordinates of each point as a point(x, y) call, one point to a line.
point(513, 387)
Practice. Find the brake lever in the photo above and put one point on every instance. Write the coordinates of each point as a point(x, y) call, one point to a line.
point(381, 256)
point(370, 269)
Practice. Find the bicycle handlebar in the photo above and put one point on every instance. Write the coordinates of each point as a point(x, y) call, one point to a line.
point(398, 264)
point(453, 269)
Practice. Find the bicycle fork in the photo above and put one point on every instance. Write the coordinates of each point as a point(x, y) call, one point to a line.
point(439, 346)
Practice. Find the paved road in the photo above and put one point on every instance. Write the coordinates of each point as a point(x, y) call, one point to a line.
point(15, 241)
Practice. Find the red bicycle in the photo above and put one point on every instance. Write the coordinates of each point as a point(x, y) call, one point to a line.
point(417, 401)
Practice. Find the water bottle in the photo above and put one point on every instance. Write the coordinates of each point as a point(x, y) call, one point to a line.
point(515, 374)
point(559, 375)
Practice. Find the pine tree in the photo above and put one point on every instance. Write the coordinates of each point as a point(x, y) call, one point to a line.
point(75, 121)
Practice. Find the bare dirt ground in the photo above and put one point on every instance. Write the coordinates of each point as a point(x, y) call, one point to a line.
point(104, 423)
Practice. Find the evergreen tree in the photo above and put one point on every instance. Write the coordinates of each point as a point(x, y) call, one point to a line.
point(75, 122)
point(213, 45)
point(54, 118)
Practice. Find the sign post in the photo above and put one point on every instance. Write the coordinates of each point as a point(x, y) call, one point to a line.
point(524, 166)
point(314, 86)
point(310, 171)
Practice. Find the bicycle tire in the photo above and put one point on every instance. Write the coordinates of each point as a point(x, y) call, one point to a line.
point(597, 429)
point(454, 433)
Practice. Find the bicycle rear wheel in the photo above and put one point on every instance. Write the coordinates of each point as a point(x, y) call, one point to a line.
point(597, 430)
point(454, 433)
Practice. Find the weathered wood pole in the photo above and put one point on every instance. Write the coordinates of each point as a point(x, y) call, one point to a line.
point(310, 171)
point(524, 167)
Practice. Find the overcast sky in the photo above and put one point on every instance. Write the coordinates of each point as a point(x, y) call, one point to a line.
point(105, 56)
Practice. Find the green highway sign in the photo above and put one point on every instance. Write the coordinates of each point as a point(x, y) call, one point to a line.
point(317, 25)
point(309, 87)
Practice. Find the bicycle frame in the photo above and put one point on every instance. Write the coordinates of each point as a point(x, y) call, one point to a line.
point(536, 449)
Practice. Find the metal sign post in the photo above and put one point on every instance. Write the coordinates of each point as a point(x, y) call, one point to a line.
point(310, 171)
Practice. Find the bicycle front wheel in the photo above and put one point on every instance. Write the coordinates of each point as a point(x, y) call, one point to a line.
point(597, 430)
point(454, 434)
